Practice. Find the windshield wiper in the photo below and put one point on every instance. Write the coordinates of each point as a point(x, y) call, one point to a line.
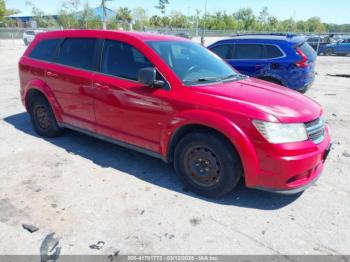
point(233, 77)
point(202, 79)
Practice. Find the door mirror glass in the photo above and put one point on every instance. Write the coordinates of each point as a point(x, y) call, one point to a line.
point(148, 77)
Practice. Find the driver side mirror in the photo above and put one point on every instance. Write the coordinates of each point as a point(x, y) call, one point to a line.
point(148, 77)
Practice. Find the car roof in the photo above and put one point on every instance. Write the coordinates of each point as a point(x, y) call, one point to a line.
point(104, 33)
point(265, 38)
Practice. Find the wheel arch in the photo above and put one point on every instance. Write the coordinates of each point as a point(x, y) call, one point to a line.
point(217, 123)
point(276, 79)
point(38, 87)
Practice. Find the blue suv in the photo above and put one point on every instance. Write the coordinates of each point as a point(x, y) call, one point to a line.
point(286, 60)
point(342, 47)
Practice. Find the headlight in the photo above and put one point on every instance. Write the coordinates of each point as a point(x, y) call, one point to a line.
point(277, 133)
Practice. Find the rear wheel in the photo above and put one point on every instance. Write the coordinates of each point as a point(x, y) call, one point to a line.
point(207, 164)
point(43, 118)
point(329, 51)
point(25, 41)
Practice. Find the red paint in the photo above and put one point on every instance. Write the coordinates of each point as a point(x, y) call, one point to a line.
point(148, 118)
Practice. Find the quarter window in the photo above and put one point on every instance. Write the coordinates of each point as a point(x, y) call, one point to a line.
point(45, 49)
point(78, 52)
point(122, 60)
point(272, 51)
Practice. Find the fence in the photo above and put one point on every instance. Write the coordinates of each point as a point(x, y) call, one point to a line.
point(15, 33)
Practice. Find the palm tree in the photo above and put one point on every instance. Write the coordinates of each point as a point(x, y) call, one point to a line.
point(124, 15)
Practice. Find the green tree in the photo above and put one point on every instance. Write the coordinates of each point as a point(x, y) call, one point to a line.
point(2, 9)
point(68, 15)
point(140, 18)
point(42, 20)
point(124, 16)
point(179, 20)
point(156, 21)
point(272, 23)
point(263, 19)
point(162, 6)
point(246, 18)
point(315, 25)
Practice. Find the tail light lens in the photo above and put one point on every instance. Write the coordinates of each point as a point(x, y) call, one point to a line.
point(303, 62)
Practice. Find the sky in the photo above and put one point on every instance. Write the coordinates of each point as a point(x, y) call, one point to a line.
point(336, 11)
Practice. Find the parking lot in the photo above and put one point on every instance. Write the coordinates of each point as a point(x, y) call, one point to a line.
point(86, 190)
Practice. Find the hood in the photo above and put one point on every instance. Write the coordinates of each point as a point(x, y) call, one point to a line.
point(286, 105)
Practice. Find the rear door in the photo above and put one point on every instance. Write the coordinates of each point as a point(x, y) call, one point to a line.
point(249, 59)
point(70, 77)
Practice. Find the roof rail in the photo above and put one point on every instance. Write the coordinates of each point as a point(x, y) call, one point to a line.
point(276, 34)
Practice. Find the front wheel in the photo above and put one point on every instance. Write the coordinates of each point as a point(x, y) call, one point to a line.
point(207, 164)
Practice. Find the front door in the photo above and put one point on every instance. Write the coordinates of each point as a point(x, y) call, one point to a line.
point(125, 109)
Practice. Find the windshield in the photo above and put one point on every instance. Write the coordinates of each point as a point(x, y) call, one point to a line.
point(194, 64)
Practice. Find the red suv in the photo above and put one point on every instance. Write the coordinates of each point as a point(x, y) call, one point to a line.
point(173, 99)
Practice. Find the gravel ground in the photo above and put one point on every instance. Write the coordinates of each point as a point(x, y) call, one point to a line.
point(86, 190)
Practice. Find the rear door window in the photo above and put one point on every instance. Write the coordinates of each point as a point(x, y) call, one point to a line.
point(45, 49)
point(78, 52)
point(122, 60)
point(224, 51)
point(248, 51)
point(272, 51)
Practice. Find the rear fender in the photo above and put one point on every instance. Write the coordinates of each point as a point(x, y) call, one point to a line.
point(42, 87)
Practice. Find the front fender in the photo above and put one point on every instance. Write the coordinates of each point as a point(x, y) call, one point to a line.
point(42, 87)
point(223, 125)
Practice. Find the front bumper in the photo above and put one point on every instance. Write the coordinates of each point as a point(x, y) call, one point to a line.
point(291, 174)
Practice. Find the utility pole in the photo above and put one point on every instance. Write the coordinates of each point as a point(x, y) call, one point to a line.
point(104, 15)
point(204, 22)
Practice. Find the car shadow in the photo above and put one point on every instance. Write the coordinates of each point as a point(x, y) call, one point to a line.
point(146, 168)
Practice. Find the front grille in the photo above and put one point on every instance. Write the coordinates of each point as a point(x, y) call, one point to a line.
point(315, 130)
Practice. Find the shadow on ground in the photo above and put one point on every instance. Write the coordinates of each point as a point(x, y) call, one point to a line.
point(147, 168)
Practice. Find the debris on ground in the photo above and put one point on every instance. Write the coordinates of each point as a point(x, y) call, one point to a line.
point(50, 249)
point(99, 245)
point(339, 75)
point(195, 221)
point(115, 255)
point(346, 154)
point(30, 228)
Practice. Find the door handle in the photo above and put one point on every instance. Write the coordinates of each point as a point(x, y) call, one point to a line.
point(101, 86)
point(51, 74)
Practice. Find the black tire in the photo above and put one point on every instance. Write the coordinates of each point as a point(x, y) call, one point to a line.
point(207, 164)
point(329, 51)
point(43, 118)
point(25, 41)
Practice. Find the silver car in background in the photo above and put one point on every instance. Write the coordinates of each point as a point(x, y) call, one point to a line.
point(29, 35)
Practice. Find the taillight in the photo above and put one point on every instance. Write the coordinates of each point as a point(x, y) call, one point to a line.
point(303, 63)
